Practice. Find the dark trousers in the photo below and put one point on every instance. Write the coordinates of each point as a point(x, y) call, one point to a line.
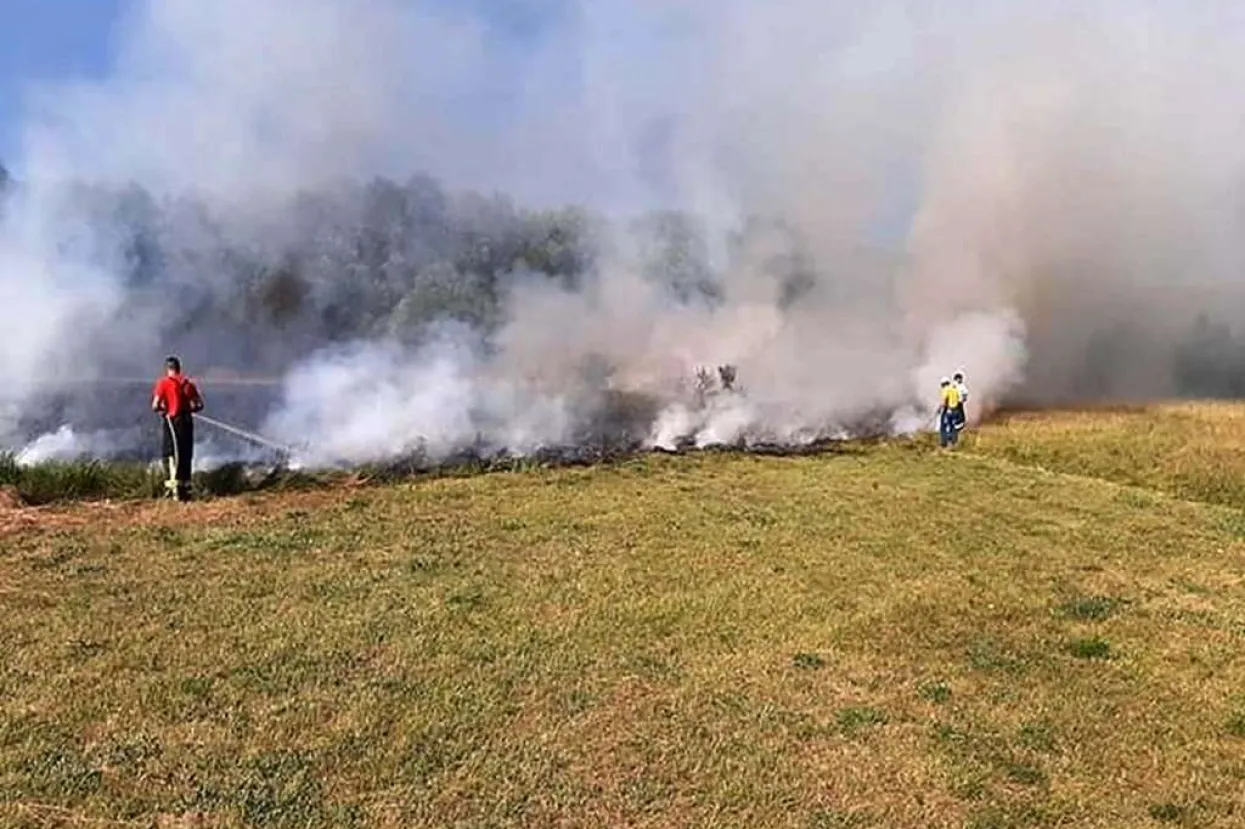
point(178, 451)
point(947, 431)
point(961, 420)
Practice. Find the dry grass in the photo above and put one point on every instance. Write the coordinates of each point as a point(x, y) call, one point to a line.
point(894, 638)
point(1191, 450)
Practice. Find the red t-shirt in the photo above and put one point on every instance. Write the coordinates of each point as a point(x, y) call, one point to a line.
point(176, 394)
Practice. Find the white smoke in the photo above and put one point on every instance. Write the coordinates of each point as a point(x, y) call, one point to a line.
point(372, 401)
point(62, 445)
point(212, 453)
point(242, 104)
point(1065, 162)
point(66, 444)
point(987, 348)
point(48, 287)
point(248, 102)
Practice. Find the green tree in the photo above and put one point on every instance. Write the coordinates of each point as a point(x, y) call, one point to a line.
point(676, 255)
point(441, 292)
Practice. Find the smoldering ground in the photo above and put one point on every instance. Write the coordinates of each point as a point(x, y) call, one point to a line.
point(844, 201)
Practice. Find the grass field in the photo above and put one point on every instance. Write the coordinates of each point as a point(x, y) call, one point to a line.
point(1044, 628)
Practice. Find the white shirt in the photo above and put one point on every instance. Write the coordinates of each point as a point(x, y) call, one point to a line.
point(963, 390)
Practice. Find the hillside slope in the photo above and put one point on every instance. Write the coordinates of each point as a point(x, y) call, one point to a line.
point(1042, 629)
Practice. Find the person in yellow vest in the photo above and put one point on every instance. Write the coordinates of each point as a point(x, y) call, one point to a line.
point(948, 405)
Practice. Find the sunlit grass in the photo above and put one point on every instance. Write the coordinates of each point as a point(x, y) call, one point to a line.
point(49, 481)
point(893, 637)
point(1191, 450)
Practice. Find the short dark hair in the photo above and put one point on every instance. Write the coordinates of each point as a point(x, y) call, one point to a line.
point(959, 375)
point(173, 363)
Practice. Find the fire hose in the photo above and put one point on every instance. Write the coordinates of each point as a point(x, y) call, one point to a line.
point(245, 435)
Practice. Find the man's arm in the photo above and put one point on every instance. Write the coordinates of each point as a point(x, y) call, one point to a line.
point(157, 399)
point(196, 398)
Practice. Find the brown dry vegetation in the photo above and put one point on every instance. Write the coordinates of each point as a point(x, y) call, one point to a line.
point(1043, 628)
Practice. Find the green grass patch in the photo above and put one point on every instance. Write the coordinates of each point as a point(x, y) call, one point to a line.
point(1092, 648)
point(1038, 736)
point(1168, 812)
point(808, 661)
point(854, 718)
point(1092, 608)
point(50, 481)
point(938, 693)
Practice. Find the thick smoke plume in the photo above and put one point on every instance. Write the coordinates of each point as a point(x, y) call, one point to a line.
point(840, 201)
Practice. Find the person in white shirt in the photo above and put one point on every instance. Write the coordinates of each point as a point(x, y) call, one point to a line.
point(961, 419)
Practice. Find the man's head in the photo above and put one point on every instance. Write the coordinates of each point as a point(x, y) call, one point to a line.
point(944, 382)
point(959, 377)
point(172, 366)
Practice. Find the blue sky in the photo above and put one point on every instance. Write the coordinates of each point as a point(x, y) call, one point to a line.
point(48, 40)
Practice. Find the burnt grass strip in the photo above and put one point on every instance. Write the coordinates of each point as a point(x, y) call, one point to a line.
point(587, 455)
point(94, 479)
point(618, 435)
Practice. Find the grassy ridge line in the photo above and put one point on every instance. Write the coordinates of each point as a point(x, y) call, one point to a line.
point(888, 639)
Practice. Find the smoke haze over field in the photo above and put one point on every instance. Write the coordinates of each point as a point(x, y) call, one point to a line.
point(844, 200)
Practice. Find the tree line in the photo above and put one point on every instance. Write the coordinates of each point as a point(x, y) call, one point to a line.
point(384, 258)
point(378, 258)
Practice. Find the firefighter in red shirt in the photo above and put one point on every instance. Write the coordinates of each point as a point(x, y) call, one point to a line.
point(176, 398)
